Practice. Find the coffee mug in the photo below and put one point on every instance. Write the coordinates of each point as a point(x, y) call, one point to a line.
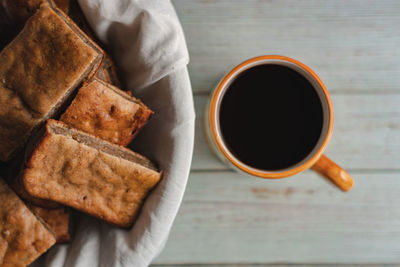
point(279, 128)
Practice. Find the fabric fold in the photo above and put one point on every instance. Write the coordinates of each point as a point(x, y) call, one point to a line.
point(148, 45)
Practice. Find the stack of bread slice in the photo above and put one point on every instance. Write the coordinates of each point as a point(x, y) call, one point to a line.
point(64, 128)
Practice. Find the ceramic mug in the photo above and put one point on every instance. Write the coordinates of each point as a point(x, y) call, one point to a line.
point(315, 159)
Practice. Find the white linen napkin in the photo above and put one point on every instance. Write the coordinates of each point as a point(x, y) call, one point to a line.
point(147, 42)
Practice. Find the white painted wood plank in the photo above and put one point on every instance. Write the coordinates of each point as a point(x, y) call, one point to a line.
point(227, 217)
point(366, 133)
point(354, 45)
point(230, 218)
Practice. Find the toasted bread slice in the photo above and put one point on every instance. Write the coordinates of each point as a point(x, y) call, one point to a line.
point(23, 237)
point(107, 112)
point(56, 219)
point(39, 70)
point(89, 174)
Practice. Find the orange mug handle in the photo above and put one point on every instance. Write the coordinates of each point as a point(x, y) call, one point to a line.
point(334, 173)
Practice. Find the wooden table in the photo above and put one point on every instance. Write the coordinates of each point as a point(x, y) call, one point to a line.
point(229, 218)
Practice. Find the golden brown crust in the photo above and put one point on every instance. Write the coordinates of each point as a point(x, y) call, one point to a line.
point(17, 12)
point(107, 112)
point(22, 237)
point(14, 14)
point(107, 71)
point(18, 187)
point(12, 174)
point(56, 219)
point(38, 70)
point(69, 172)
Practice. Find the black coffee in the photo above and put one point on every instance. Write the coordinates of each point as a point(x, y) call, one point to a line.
point(271, 117)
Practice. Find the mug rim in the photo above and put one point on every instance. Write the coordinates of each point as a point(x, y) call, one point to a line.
point(220, 89)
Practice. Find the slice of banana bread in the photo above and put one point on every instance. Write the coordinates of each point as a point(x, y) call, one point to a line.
point(23, 237)
point(107, 112)
point(39, 70)
point(14, 14)
point(89, 174)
